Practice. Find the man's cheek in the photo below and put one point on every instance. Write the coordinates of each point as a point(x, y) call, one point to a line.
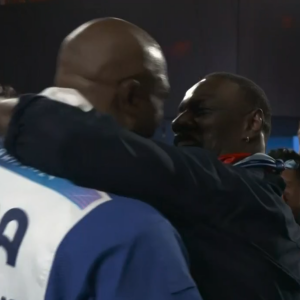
point(158, 106)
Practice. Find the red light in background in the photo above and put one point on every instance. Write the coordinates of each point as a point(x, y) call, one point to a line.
point(287, 22)
point(180, 49)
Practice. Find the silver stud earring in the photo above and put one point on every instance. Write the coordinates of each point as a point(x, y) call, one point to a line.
point(247, 139)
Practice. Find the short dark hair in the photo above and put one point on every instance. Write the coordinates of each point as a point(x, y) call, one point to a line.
point(6, 91)
point(286, 154)
point(253, 94)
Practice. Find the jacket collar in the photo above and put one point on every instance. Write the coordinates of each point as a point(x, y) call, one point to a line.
point(267, 166)
point(68, 96)
point(257, 160)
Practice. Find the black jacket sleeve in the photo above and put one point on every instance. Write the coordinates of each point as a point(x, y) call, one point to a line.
point(93, 151)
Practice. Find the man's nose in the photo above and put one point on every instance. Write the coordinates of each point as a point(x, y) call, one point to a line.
point(182, 121)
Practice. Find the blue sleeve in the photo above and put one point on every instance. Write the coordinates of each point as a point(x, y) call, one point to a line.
point(151, 266)
point(115, 263)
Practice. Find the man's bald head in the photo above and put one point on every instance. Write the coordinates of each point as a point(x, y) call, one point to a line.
point(109, 49)
point(118, 67)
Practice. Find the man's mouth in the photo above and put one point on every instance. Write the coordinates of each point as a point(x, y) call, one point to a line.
point(185, 141)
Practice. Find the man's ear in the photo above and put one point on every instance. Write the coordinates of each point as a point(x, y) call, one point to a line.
point(254, 123)
point(128, 95)
point(258, 120)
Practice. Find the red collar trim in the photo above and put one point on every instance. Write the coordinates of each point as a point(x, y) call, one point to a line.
point(233, 158)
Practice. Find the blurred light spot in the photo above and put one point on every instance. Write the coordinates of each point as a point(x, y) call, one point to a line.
point(287, 22)
point(181, 48)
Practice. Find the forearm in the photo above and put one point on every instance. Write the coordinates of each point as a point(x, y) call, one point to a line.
point(119, 162)
point(93, 151)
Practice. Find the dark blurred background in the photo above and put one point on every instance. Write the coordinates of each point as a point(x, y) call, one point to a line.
point(254, 38)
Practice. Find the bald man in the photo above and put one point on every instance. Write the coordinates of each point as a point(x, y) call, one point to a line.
point(76, 243)
point(119, 69)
